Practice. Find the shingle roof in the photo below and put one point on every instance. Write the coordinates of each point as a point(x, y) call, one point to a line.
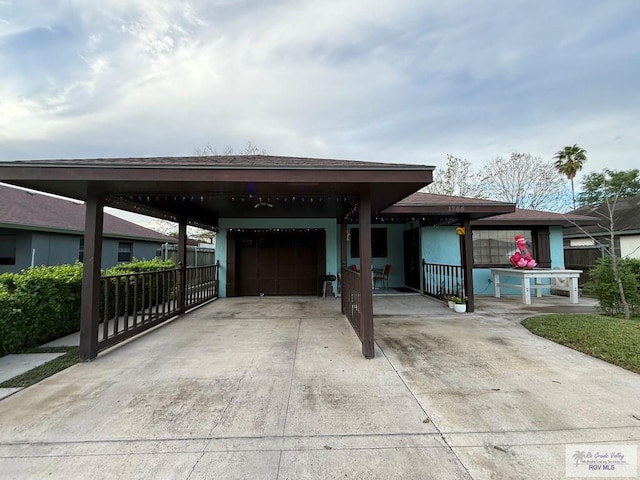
point(223, 161)
point(626, 216)
point(518, 217)
point(536, 217)
point(21, 208)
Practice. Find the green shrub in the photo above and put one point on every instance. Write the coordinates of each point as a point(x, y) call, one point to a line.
point(39, 305)
point(11, 338)
point(604, 287)
point(43, 303)
point(147, 293)
point(139, 266)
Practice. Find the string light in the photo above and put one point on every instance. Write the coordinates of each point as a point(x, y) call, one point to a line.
point(233, 198)
point(270, 230)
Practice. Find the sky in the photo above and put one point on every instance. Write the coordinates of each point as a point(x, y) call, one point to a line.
point(401, 81)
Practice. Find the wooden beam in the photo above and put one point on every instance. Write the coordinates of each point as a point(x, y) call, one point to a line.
point(129, 174)
point(182, 265)
point(92, 260)
point(343, 244)
point(366, 288)
point(448, 210)
point(343, 255)
point(467, 263)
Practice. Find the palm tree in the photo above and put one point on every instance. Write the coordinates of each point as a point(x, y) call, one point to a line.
point(569, 162)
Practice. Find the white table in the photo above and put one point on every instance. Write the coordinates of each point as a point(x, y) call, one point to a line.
point(537, 274)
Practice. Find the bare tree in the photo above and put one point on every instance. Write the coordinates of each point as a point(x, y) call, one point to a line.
point(201, 234)
point(166, 227)
point(611, 206)
point(526, 180)
point(209, 151)
point(608, 226)
point(456, 178)
point(169, 228)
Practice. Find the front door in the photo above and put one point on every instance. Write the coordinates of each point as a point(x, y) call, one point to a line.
point(412, 258)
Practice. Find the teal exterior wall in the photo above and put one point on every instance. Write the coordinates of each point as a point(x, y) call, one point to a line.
point(557, 247)
point(395, 253)
point(441, 245)
point(330, 225)
point(483, 283)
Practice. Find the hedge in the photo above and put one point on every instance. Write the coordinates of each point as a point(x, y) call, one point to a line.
point(603, 286)
point(43, 303)
point(145, 296)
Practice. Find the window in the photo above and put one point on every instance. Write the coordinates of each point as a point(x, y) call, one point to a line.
point(378, 243)
point(125, 249)
point(7, 249)
point(494, 247)
point(81, 251)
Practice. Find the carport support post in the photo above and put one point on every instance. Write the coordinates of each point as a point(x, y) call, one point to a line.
point(90, 302)
point(366, 287)
point(343, 257)
point(467, 264)
point(182, 266)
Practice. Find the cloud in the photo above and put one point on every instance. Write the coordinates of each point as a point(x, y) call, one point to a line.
point(403, 81)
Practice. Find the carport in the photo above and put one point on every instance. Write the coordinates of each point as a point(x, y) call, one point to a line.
point(200, 191)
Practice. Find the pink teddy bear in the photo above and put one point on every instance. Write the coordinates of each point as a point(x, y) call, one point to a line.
point(522, 258)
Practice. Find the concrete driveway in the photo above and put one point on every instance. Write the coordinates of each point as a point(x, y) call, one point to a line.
point(277, 389)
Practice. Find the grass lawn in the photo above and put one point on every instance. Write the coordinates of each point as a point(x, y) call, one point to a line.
point(70, 357)
point(613, 340)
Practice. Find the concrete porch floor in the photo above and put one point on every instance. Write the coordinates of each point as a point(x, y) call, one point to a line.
point(276, 388)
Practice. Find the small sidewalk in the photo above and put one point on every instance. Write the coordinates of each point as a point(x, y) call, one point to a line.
point(18, 363)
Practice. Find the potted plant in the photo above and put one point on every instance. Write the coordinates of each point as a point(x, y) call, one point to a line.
point(449, 300)
point(459, 304)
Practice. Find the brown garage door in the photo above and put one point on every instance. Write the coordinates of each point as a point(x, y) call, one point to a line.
point(279, 262)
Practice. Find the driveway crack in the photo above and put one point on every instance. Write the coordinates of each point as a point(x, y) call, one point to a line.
point(222, 416)
point(286, 412)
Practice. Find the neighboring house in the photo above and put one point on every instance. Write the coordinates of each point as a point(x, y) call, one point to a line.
point(37, 229)
point(626, 228)
point(584, 244)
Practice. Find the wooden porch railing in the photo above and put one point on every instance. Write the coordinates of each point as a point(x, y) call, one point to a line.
point(440, 280)
point(202, 285)
point(351, 299)
point(134, 302)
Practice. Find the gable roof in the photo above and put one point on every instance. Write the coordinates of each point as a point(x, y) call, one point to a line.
point(626, 218)
point(522, 217)
point(34, 211)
